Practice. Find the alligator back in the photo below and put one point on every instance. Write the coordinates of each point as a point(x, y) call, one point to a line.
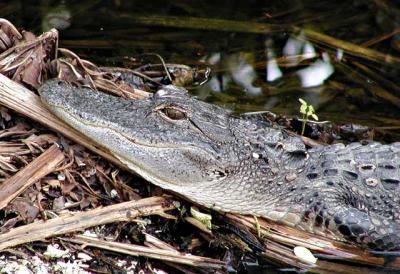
point(349, 193)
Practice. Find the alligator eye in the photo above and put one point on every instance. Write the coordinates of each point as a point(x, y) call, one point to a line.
point(173, 113)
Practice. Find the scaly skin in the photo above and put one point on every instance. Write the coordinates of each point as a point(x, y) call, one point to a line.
point(235, 164)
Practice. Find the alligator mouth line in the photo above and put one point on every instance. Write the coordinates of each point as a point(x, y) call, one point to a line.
point(87, 124)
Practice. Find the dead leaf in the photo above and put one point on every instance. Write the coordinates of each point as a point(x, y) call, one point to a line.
point(25, 61)
point(24, 208)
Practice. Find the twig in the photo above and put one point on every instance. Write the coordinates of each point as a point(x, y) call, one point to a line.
point(283, 236)
point(379, 78)
point(205, 23)
point(121, 212)
point(348, 47)
point(154, 253)
point(38, 168)
point(10, 148)
point(153, 242)
point(381, 38)
point(374, 88)
point(25, 102)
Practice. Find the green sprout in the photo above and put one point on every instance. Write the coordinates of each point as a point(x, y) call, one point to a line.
point(307, 111)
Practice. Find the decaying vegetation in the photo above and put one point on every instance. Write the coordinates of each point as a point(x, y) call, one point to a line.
point(55, 183)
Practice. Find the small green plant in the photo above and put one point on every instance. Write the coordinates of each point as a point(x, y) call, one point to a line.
point(307, 111)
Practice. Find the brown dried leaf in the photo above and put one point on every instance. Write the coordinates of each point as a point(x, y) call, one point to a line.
point(6, 164)
point(40, 140)
point(79, 161)
point(53, 183)
point(70, 68)
point(30, 73)
point(87, 201)
point(68, 184)
point(25, 61)
point(9, 35)
point(59, 203)
point(9, 224)
point(4, 113)
point(20, 130)
point(24, 208)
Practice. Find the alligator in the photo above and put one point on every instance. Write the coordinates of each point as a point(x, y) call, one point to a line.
point(243, 164)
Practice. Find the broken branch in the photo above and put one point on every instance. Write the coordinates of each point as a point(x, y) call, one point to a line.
point(38, 168)
point(154, 253)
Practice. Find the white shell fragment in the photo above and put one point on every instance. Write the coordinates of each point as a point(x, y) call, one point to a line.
point(53, 251)
point(114, 194)
point(84, 257)
point(304, 255)
point(161, 92)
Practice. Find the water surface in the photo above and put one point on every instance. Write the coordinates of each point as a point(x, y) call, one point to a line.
point(343, 58)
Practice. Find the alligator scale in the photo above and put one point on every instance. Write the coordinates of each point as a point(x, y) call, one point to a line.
point(243, 165)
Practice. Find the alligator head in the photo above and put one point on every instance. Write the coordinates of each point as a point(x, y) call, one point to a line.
point(171, 139)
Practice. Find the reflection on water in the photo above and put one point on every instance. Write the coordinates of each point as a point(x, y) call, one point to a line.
point(273, 72)
point(298, 49)
point(252, 69)
point(58, 17)
point(316, 73)
point(238, 69)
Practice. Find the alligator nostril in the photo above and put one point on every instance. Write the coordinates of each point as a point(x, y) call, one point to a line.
point(312, 176)
point(367, 167)
point(217, 173)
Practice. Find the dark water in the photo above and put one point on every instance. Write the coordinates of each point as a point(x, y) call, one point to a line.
point(251, 70)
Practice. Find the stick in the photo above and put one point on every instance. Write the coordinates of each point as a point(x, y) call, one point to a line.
point(153, 242)
point(38, 168)
point(154, 253)
point(205, 24)
point(348, 47)
point(25, 102)
point(122, 212)
point(288, 236)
